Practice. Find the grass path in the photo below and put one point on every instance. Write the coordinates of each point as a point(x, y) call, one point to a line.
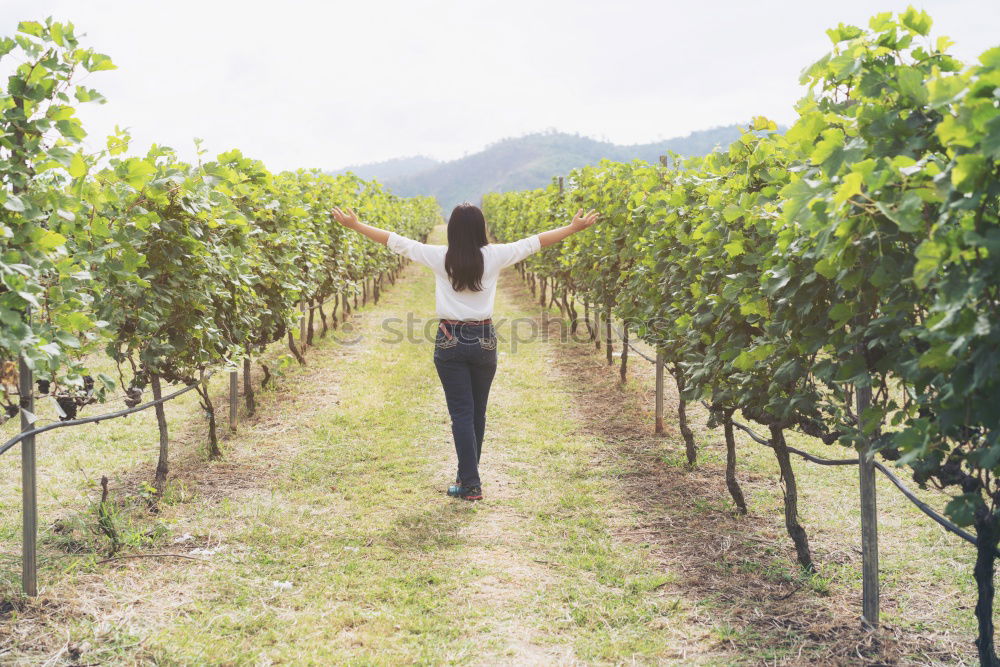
point(384, 568)
point(327, 538)
point(324, 536)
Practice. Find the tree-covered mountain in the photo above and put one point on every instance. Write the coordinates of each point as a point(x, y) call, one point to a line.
point(523, 162)
point(392, 170)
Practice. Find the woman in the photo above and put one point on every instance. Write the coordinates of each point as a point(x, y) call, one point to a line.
point(465, 350)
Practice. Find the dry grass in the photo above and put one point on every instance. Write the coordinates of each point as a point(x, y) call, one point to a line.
point(738, 574)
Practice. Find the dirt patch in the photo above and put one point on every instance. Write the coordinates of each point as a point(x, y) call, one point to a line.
point(737, 575)
point(521, 649)
point(515, 576)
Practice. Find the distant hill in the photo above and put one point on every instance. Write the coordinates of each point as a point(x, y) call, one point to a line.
point(523, 162)
point(391, 170)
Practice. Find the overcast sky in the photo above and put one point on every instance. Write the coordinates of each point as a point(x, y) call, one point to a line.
point(327, 83)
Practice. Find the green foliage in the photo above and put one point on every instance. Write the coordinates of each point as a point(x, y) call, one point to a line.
point(174, 268)
point(40, 210)
point(857, 250)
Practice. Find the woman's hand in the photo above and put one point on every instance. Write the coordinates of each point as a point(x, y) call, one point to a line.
point(583, 220)
point(580, 222)
point(348, 219)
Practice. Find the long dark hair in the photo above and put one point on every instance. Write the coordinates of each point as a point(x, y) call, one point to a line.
point(466, 235)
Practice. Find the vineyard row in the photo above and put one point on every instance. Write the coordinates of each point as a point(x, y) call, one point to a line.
point(841, 279)
point(172, 270)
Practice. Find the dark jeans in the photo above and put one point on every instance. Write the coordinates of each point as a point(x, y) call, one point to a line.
point(466, 364)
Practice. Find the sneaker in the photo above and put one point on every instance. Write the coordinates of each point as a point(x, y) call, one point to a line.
point(471, 493)
point(466, 492)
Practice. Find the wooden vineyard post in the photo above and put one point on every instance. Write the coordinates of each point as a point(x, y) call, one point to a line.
point(29, 507)
point(234, 397)
point(560, 185)
point(664, 161)
point(869, 520)
point(659, 391)
point(302, 325)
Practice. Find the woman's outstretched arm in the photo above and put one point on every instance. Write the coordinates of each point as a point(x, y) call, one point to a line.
point(422, 253)
point(350, 220)
point(580, 222)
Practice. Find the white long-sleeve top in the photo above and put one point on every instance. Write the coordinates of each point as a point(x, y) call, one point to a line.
point(465, 304)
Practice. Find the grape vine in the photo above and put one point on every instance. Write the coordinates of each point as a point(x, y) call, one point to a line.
point(173, 269)
point(841, 279)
